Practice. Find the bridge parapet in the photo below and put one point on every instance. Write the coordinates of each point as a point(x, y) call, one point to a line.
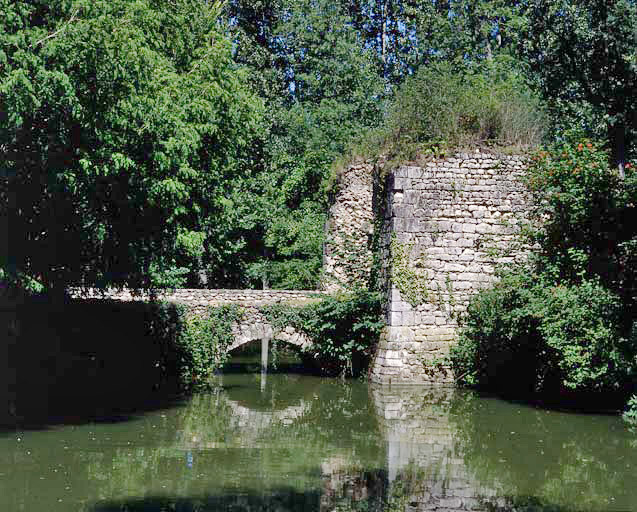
point(203, 297)
point(253, 325)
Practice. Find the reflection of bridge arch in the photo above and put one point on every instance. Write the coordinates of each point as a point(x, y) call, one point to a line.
point(261, 420)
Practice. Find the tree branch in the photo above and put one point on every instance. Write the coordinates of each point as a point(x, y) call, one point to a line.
point(71, 19)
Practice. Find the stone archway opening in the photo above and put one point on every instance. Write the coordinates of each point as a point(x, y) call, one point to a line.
point(267, 354)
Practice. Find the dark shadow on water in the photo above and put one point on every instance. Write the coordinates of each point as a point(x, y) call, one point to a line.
point(564, 401)
point(279, 500)
point(76, 362)
point(290, 500)
point(344, 490)
point(82, 410)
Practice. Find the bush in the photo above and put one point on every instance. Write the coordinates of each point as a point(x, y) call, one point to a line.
point(345, 330)
point(202, 344)
point(585, 216)
point(444, 107)
point(630, 414)
point(527, 336)
point(466, 107)
point(562, 323)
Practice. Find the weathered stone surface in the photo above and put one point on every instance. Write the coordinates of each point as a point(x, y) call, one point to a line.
point(347, 254)
point(465, 207)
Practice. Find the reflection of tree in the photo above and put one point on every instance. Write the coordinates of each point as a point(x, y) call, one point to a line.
point(209, 447)
point(571, 460)
point(330, 446)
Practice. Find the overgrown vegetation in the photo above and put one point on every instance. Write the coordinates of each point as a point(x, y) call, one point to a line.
point(344, 330)
point(562, 324)
point(199, 345)
point(411, 280)
point(630, 414)
point(449, 106)
point(123, 125)
point(212, 127)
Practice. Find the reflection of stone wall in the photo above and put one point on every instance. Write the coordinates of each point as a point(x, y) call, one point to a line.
point(454, 220)
point(422, 453)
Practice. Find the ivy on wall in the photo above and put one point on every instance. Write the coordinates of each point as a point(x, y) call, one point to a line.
point(194, 346)
point(410, 279)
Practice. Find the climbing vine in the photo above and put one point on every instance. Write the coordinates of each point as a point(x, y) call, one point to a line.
point(193, 346)
point(411, 280)
point(356, 257)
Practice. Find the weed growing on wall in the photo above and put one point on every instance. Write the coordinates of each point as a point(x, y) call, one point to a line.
point(443, 108)
point(204, 343)
point(193, 346)
point(411, 280)
point(355, 256)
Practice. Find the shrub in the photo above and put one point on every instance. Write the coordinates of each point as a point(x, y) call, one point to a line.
point(527, 336)
point(562, 322)
point(192, 346)
point(203, 344)
point(444, 107)
point(584, 215)
point(345, 329)
point(630, 414)
point(466, 107)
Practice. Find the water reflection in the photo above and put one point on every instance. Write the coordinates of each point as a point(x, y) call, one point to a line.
point(304, 443)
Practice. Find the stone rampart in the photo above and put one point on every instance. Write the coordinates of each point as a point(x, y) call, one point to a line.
point(446, 225)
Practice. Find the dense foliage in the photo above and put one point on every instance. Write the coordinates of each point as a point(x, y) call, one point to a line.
point(123, 126)
point(131, 123)
point(344, 330)
point(564, 321)
point(445, 106)
point(194, 345)
point(583, 58)
point(321, 88)
point(156, 143)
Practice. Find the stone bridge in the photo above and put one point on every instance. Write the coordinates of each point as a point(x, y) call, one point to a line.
point(253, 325)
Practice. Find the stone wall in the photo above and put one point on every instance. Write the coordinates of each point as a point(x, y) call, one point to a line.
point(203, 297)
point(347, 253)
point(446, 225)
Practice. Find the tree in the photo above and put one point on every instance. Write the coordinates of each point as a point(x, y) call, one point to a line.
point(585, 55)
point(122, 123)
point(321, 88)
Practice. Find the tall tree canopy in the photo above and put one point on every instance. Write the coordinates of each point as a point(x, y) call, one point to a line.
point(584, 54)
point(136, 150)
point(122, 125)
point(321, 88)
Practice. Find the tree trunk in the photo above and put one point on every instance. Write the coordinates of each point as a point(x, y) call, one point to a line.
point(384, 37)
point(617, 135)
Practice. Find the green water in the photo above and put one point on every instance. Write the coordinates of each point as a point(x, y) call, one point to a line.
point(298, 442)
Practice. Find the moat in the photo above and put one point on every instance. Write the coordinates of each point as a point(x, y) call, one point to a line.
point(298, 442)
